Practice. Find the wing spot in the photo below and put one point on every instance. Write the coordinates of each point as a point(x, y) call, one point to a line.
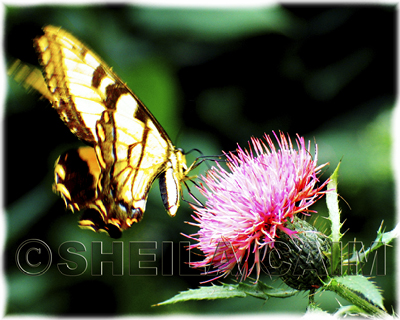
point(106, 117)
point(100, 132)
point(59, 172)
point(98, 76)
point(100, 157)
point(113, 92)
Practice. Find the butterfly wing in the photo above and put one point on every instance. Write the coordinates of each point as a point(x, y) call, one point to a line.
point(131, 147)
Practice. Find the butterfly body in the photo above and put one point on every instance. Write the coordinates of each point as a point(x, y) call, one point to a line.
point(128, 149)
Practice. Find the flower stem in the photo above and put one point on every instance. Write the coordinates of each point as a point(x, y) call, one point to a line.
point(355, 299)
point(311, 301)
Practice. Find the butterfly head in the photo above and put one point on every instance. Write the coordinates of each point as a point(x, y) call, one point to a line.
point(180, 165)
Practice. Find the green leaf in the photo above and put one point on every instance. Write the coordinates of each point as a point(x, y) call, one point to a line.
point(382, 238)
point(263, 291)
point(241, 290)
point(343, 311)
point(314, 311)
point(362, 286)
point(333, 205)
point(206, 293)
point(388, 237)
point(334, 216)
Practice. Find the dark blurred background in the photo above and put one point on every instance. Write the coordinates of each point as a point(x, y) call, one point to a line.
point(213, 78)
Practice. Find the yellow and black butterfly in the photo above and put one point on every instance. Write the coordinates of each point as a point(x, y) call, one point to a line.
point(128, 149)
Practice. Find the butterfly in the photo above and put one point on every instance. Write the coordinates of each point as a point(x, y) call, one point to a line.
point(127, 148)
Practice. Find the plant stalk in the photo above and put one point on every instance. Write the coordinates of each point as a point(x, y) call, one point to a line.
point(355, 299)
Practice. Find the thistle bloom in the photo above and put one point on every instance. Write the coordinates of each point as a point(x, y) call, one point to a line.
point(246, 205)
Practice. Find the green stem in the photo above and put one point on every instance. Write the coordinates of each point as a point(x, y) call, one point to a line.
point(311, 300)
point(355, 299)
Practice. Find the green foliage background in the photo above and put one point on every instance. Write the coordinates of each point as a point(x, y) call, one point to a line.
point(213, 78)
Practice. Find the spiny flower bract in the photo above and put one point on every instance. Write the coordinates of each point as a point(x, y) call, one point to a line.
point(248, 203)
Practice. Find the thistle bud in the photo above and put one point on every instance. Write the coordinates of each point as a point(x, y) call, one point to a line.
point(301, 259)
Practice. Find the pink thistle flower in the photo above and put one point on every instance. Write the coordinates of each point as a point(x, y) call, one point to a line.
point(246, 205)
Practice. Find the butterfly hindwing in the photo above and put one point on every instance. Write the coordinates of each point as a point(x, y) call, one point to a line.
point(128, 147)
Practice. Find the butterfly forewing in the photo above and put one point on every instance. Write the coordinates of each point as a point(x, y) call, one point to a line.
point(131, 148)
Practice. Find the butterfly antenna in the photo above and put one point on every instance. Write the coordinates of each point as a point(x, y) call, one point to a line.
point(178, 135)
point(199, 160)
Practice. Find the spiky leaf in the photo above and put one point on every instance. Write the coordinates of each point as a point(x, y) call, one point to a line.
point(388, 237)
point(363, 287)
point(206, 293)
point(315, 311)
point(334, 216)
point(241, 290)
point(352, 310)
point(263, 291)
point(382, 239)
